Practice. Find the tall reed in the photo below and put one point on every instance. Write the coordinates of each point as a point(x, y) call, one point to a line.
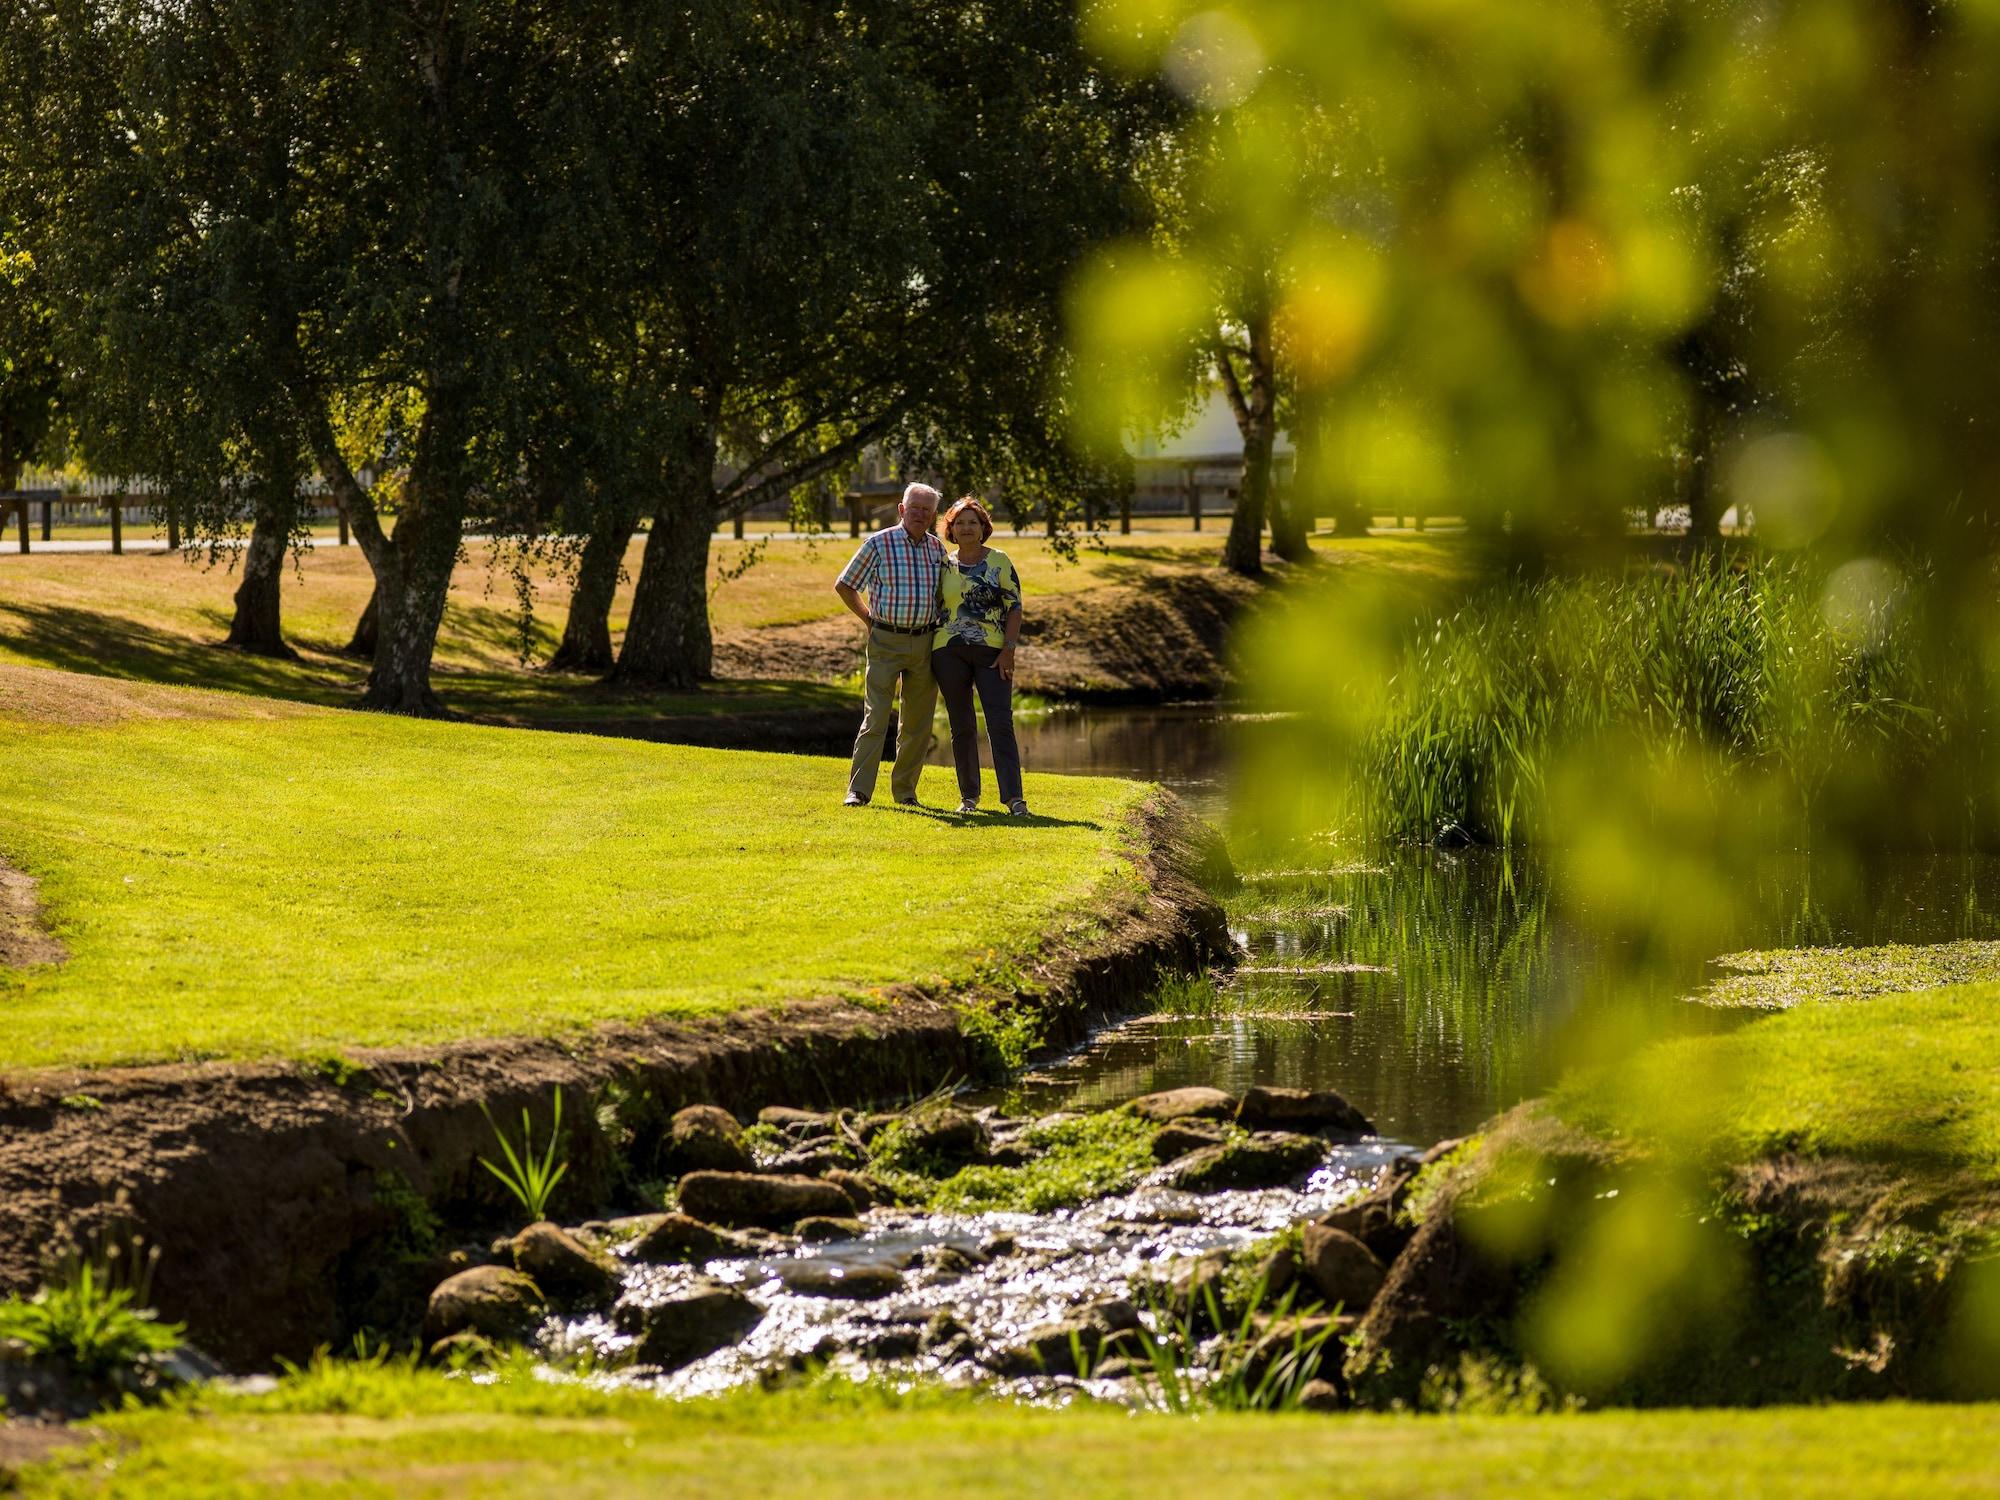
point(1761, 665)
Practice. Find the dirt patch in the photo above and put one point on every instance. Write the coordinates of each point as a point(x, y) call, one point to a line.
point(24, 939)
point(1121, 643)
point(272, 1187)
point(45, 695)
point(1137, 644)
point(23, 1443)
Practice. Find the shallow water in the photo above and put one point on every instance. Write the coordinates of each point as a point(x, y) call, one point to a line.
point(1435, 988)
point(1061, 1261)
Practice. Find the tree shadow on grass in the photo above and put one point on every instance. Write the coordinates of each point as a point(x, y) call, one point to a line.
point(104, 645)
point(97, 644)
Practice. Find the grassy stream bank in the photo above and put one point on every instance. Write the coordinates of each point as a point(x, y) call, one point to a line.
point(327, 1014)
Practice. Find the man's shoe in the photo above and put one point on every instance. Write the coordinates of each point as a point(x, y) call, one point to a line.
point(908, 802)
point(969, 805)
point(854, 801)
point(1018, 808)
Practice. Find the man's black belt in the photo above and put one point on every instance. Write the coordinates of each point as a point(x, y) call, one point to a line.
point(929, 629)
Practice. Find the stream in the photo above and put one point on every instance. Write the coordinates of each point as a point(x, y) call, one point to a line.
point(1431, 989)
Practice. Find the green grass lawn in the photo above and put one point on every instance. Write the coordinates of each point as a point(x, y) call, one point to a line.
point(410, 1436)
point(235, 877)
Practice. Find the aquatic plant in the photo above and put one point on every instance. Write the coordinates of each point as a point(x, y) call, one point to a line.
point(1189, 995)
point(530, 1178)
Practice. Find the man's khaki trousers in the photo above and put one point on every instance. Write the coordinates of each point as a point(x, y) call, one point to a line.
point(892, 656)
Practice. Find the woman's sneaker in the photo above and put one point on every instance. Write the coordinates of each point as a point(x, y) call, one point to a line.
point(1018, 808)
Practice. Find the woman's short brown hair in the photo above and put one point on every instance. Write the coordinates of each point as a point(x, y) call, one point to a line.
point(969, 503)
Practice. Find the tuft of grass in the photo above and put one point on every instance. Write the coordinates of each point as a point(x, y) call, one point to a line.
point(1259, 1360)
point(530, 1178)
point(1189, 995)
point(90, 1323)
point(1007, 1032)
point(1432, 1178)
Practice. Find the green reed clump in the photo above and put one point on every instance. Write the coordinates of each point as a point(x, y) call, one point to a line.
point(94, 1310)
point(1757, 665)
point(95, 1327)
point(529, 1177)
point(1189, 995)
point(1259, 1359)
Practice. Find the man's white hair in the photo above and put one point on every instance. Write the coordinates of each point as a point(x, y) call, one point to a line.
point(919, 492)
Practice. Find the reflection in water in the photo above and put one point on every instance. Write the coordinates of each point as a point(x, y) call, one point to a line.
point(1177, 746)
point(1435, 988)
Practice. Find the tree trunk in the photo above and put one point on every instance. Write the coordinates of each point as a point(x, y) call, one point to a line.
point(1704, 516)
point(367, 629)
point(1290, 525)
point(257, 626)
point(586, 640)
point(410, 592)
point(1253, 399)
point(667, 641)
point(1243, 551)
point(1328, 493)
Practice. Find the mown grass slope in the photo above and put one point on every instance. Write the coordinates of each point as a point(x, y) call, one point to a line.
point(234, 877)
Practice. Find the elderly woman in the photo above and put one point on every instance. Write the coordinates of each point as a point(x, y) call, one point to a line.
point(979, 601)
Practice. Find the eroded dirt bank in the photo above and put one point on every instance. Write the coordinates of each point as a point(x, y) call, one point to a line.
point(274, 1189)
point(1124, 643)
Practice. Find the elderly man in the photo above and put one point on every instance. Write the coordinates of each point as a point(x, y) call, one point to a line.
point(899, 568)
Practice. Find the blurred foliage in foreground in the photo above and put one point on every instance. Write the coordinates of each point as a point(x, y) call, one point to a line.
point(1549, 267)
point(1529, 263)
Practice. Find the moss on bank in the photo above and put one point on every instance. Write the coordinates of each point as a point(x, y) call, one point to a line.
point(1780, 978)
point(1075, 1159)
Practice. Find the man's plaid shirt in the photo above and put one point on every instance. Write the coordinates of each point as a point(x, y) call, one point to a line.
point(899, 573)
